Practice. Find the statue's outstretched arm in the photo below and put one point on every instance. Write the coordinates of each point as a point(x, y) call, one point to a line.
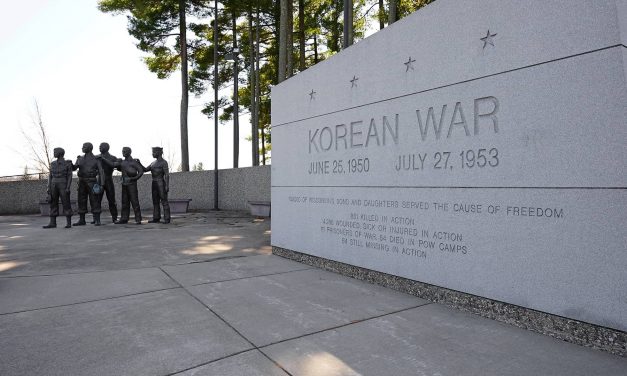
point(105, 160)
point(100, 173)
point(144, 168)
point(140, 171)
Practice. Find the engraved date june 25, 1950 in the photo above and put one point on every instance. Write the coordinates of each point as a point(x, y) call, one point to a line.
point(339, 166)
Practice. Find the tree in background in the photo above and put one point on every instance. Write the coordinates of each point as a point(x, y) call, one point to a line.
point(38, 142)
point(267, 58)
point(25, 175)
point(160, 28)
point(398, 9)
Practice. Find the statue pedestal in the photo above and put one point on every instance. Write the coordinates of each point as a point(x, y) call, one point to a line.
point(179, 205)
point(259, 208)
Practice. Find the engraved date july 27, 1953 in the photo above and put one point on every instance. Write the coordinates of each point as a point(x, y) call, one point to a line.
point(446, 160)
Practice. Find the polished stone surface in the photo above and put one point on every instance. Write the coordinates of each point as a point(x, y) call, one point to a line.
point(492, 165)
point(445, 39)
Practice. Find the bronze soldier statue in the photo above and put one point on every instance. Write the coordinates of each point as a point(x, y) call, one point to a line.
point(59, 182)
point(160, 186)
point(90, 173)
point(131, 170)
point(107, 185)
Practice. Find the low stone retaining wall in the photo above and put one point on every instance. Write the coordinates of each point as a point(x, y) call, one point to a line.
point(236, 188)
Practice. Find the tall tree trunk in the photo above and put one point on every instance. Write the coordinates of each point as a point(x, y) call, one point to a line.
point(263, 146)
point(290, 39)
point(235, 96)
point(381, 14)
point(335, 28)
point(347, 39)
point(253, 88)
point(393, 17)
point(301, 35)
point(257, 86)
point(258, 92)
point(283, 41)
point(216, 85)
point(315, 47)
point(184, 86)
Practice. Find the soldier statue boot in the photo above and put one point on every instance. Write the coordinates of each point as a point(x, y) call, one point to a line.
point(166, 215)
point(52, 224)
point(96, 219)
point(68, 221)
point(81, 220)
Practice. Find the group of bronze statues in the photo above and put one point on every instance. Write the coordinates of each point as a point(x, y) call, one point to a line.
point(95, 178)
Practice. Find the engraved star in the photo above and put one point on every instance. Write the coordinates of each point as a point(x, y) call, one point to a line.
point(354, 81)
point(488, 39)
point(409, 64)
point(312, 95)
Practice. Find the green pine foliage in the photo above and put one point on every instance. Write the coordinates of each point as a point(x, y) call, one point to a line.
point(155, 23)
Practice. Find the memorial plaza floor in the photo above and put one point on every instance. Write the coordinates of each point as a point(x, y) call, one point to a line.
point(205, 296)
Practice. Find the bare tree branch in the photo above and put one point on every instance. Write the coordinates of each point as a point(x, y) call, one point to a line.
point(36, 137)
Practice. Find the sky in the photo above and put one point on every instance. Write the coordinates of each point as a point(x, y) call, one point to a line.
point(91, 84)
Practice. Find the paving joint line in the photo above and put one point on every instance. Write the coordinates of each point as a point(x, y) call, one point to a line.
point(255, 347)
point(211, 260)
point(276, 363)
point(226, 357)
point(74, 273)
point(123, 269)
point(173, 280)
point(347, 324)
point(88, 301)
point(209, 362)
point(250, 277)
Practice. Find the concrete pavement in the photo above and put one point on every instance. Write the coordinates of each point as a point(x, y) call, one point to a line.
point(205, 296)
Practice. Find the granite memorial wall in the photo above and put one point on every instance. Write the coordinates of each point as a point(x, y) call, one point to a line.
point(474, 145)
